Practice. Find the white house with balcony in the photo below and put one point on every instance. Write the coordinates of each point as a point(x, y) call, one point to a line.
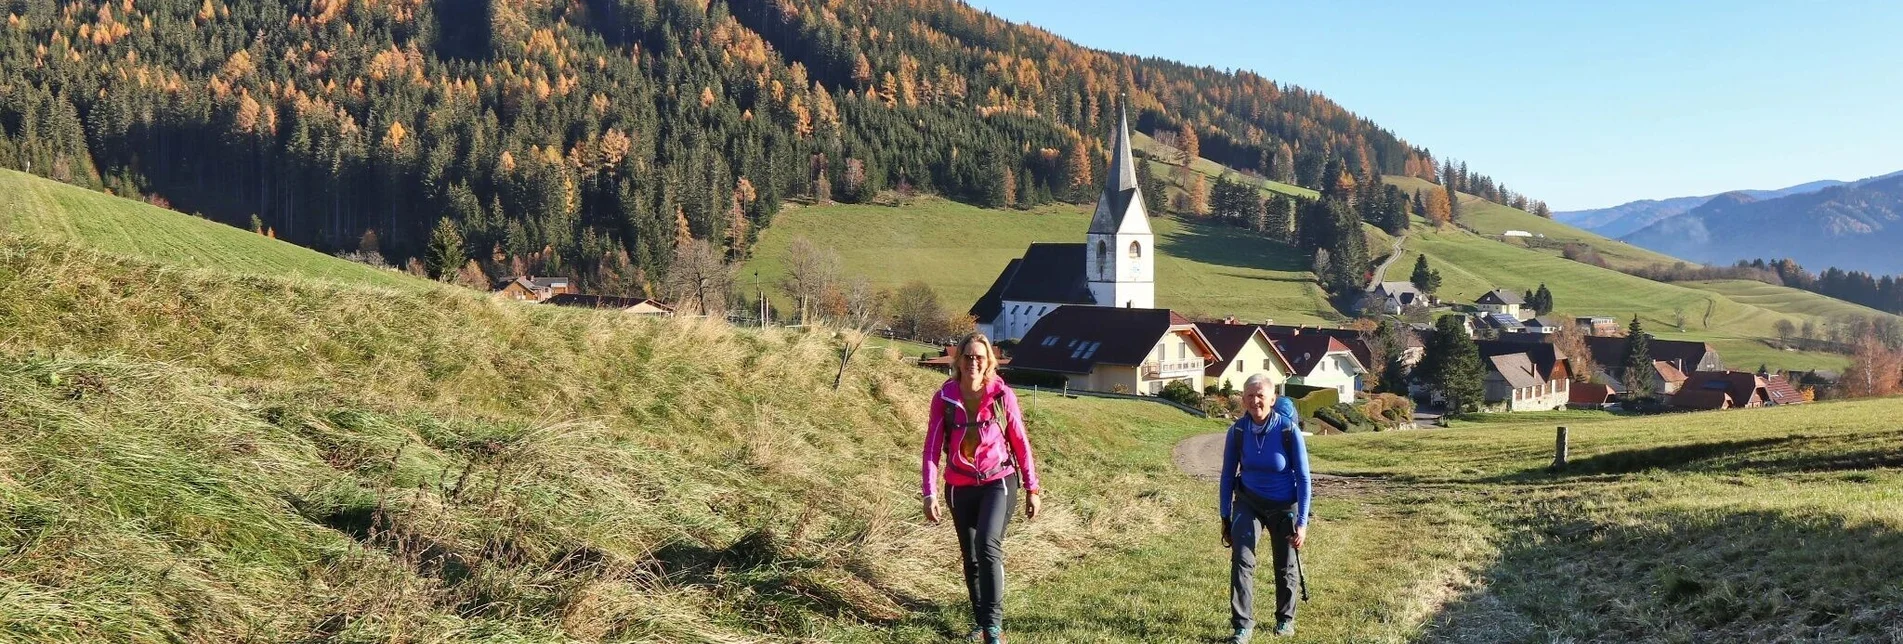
point(1114, 267)
point(1118, 350)
point(1318, 360)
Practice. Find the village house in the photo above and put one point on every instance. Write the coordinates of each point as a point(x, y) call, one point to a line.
point(1525, 376)
point(1501, 301)
point(1714, 390)
point(1318, 360)
point(633, 305)
point(1394, 297)
point(1672, 360)
point(1542, 325)
point(1113, 267)
point(1782, 391)
point(1350, 338)
point(533, 289)
point(1242, 350)
point(1121, 350)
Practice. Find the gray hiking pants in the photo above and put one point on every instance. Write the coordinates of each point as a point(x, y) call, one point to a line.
point(1245, 529)
point(979, 514)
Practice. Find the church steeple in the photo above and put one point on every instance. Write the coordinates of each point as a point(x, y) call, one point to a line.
point(1121, 194)
point(1120, 255)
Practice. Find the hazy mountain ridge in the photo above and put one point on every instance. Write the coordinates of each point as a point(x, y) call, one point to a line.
point(1853, 226)
point(1633, 216)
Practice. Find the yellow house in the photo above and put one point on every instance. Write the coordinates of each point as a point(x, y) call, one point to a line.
point(1119, 350)
point(1242, 350)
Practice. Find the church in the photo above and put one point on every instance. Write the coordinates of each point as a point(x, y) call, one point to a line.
point(1113, 267)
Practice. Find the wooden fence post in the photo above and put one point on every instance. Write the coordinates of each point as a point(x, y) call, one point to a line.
point(1559, 449)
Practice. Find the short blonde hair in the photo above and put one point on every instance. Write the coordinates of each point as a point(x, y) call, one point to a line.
point(990, 368)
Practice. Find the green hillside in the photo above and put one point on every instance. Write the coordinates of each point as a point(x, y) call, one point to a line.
point(960, 249)
point(1471, 265)
point(1210, 169)
point(36, 207)
point(1492, 219)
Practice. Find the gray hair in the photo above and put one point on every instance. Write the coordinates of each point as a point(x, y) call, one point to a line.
point(1258, 379)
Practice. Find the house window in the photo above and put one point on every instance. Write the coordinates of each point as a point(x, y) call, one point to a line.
point(1266, 364)
point(1136, 250)
point(1014, 309)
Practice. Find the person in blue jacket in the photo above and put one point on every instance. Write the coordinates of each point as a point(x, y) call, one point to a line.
point(1264, 485)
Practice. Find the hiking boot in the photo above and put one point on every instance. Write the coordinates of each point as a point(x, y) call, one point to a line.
point(1285, 628)
point(1240, 637)
point(994, 635)
point(976, 636)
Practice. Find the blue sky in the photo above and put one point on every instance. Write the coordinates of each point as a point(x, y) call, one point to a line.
point(1581, 104)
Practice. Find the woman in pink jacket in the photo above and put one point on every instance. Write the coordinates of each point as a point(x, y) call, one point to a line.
point(976, 441)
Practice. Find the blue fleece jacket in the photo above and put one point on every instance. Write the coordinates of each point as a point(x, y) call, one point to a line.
point(1254, 454)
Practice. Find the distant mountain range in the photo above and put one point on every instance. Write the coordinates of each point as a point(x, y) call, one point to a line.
point(1627, 218)
point(1855, 226)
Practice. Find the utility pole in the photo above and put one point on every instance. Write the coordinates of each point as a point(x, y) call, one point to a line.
point(761, 296)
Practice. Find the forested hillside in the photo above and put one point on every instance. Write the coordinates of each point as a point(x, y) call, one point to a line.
point(597, 137)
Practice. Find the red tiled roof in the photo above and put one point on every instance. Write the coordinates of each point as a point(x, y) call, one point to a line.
point(1782, 393)
point(1306, 350)
point(1229, 340)
point(1582, 393)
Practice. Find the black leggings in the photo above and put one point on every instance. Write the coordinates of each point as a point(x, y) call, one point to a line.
point(979, 513)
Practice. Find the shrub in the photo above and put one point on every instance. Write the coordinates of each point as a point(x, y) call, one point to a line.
point(1181, 393)
point(1388, 410)
point(1345, 417)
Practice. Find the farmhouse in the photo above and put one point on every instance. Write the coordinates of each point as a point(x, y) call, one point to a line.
point(1681, 356)
point(1241, 351)
point(529, 288)
point(1502, 301)
point(1525, 376)
point(1712, 390)
point(1114, 267)
point(1122, 350)
point(634, 305)
point(1394, 297)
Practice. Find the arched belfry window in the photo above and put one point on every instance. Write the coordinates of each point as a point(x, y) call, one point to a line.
point(1136, 250)
point(1103, 258)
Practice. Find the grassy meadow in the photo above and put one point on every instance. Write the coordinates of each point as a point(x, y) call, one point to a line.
point(35, 207)
point(199, 455)
point(959, 249)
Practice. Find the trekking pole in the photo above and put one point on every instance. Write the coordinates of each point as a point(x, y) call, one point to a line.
point(1300, 574)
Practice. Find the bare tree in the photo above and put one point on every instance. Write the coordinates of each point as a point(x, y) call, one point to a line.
point(1875, 370)
point(700, 279)
point(865, 311)
point(917, 314)
point(1571, 343)
point(811, 270)
point(1785, 329)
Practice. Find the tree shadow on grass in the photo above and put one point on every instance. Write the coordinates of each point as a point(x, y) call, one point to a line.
point(1233, 247)
point(1684, 577)
point(1790, 454)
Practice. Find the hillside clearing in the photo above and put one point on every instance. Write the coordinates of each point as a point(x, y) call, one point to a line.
point(959, 249)
point(42, 208)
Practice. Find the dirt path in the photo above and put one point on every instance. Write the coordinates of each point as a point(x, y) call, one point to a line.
point(1201, 456)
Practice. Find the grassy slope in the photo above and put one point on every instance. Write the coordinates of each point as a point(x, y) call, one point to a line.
point(37, 207)
point(1210, 169)
point(1749, 525)
point(200, 457)
point(1471, 265)
point(960, 249)
point(1490, 218)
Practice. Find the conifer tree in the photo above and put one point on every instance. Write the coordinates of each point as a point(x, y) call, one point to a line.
point(1455, 369)
point(446, 254)
point(1637, 363)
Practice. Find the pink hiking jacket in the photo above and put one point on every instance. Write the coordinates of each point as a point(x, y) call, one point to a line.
point(993, 439)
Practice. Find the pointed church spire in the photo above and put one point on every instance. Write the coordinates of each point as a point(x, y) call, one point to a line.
point(1123, 168)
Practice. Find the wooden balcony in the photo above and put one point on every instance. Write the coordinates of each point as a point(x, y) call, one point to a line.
point(1172, 369)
